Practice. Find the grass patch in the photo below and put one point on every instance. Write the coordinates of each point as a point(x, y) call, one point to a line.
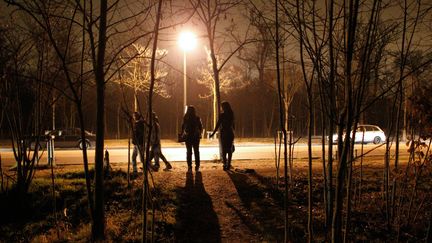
point(196, 207)
point(32, 218)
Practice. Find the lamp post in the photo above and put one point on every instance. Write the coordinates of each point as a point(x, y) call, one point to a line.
point(187, 42)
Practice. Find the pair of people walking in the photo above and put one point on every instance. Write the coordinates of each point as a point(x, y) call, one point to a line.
point(192, 130)
point(138, 130)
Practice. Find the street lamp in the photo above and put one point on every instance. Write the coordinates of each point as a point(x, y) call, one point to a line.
point(187, 42)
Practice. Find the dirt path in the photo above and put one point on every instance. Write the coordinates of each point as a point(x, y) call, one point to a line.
point(224, 206)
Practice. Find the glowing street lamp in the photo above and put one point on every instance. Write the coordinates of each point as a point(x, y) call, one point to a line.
point(187, 42)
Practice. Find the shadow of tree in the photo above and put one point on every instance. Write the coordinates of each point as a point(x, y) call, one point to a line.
point(264, 212)
point(196, 220)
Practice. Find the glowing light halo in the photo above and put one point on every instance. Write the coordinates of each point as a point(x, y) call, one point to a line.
point(187, 41)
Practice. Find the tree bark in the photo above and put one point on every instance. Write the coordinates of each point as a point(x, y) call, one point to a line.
point(348, 110)
point(98, 226)
point(146, 189)
point(331, 117)
point(282, 124)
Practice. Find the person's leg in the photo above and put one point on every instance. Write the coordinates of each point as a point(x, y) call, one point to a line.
point(167, 164)
point(156, 152)
point(162, 156)
point(142, 157)
point(223, 149)
point(151, 154)
point(189, 155)
point(230, 148)
point(224, 159)
point(197, 154)
point(134, 158)
point(141, 153)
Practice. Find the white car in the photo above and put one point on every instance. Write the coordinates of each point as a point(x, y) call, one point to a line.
point(366, 134)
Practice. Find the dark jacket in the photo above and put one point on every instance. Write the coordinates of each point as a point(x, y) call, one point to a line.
point(225, 123)
point(192, 128)
point(138, 132)
point(226, 126)
point(155, 134)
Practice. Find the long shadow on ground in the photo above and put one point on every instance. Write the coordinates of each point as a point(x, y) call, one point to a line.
point(262, 215)
point(196, 220)
point(264, 212)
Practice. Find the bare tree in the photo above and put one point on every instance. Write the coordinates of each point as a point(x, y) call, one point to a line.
point(231, 80)
point(135, 64)
point(357, 54)
point(24, 104)
point(259, 57)
point(105, 34)
point(210, 14)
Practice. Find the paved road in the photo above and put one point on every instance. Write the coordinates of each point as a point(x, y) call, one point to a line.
point(178, 153)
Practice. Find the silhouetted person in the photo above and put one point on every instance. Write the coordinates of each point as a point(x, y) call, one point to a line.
point(226, 126)
point(192, 129)
point(107, 166)
point(156, 150)
point(138, 126)
point(137, 139)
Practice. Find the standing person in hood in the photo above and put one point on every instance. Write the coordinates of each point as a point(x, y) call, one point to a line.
point(192, 129)
point(226, 126)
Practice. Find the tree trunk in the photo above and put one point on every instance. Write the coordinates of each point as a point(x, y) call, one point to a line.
point(85, 162)
point(331, 117)
point(215, 107)
point(310, 124)
point(282, 124)
point(310, 121)
point(146, 189)
point(215, 72)
point(323, 157)
point(99, 217)
point(118, 122)
point(342, 167)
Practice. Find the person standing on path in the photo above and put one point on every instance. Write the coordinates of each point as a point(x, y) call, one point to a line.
point(156, 151)
point(191, 130)
point(226, 125)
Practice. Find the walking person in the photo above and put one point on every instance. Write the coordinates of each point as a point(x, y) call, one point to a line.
point(192, 129)
point(137, 140)
point(226, 125)
point(156, 151)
